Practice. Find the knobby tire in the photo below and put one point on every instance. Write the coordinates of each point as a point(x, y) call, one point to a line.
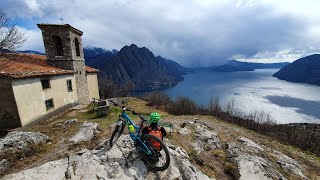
point(146, 138)
point(116, 134)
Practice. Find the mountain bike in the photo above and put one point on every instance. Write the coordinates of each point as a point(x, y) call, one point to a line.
point(156, 158)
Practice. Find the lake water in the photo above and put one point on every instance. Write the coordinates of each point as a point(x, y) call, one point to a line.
point(257, 90)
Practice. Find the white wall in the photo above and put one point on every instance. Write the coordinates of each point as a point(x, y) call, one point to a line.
point(30, 97)
point(93, 85)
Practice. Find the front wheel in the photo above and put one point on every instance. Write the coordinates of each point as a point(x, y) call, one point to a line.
point(159, 159)
point(116, 133)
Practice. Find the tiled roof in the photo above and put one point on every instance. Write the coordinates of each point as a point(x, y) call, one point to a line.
point(91, 70)
point(16, 65)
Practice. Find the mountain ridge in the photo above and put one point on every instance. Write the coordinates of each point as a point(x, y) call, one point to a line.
point(139, 67)
point(235, 65)
point(303, 70)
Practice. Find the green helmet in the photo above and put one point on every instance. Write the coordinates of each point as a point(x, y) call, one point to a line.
point(154, 117)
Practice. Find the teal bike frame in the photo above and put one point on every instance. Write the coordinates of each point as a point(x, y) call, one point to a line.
point(135, 135)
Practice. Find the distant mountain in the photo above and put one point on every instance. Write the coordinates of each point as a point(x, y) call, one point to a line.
point(231, 68)
point(93, 52)
point(234, 65)
point(137, 66)
point(5, 50)
point(97, 57)
point(172, 65)
point(303, 70)
point(31, 52)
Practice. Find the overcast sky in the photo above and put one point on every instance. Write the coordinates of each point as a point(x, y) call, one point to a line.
point(198, 32)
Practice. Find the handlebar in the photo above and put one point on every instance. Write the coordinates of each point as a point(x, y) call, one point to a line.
point(126, 109)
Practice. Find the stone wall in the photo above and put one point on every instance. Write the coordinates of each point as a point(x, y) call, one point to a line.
point(67, 36)
point(81, 81)
point(9, 116)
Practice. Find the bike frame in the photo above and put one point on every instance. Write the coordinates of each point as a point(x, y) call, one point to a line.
point(134, 136)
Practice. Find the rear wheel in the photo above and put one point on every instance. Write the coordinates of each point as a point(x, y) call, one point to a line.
point(159, 159)
point(116, 134)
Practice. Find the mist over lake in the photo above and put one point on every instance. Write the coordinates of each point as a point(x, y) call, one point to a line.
point(255, 90)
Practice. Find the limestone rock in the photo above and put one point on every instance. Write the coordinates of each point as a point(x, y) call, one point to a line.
point(16, 143)
point(285, 162)
point(184, 131)
point(180, 167)
point(289, 164)
point(21, 140)
point(119, 162)
point(206, 139)
point(250, 144)
point(105, 163)
point(87, 131)
point(251, 166)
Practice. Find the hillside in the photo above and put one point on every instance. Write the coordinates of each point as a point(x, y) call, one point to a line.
point(234, 65)
point(201, 147)
point(138, 67)
point(303, 70)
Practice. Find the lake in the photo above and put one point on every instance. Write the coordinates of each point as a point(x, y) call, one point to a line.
point(287, 102)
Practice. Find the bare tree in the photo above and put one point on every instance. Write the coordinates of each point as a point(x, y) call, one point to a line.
point(10, 36)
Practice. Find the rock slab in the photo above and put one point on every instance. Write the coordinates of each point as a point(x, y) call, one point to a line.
point(119, 162)
point(87, 131)
point(16, 143)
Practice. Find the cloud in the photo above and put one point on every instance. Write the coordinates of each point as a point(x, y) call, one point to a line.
point(33, 40)
point(198, 32)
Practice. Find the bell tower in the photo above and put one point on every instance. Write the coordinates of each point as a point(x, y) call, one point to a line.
point(63, 46)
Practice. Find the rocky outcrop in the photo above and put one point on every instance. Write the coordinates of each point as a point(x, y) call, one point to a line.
point(119, 162)
point(87, 131)
point(249, 159)
point(289, 164)
point(205, 139)
point(180, 167)
point(251, 165)
point(21, 140)
point(303, 70)
point(16, 144)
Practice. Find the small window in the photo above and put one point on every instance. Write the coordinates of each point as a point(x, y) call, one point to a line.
point(69, 85)
point(45, 83)
point(49, 104)
point(76, 43)
point(58, 45)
